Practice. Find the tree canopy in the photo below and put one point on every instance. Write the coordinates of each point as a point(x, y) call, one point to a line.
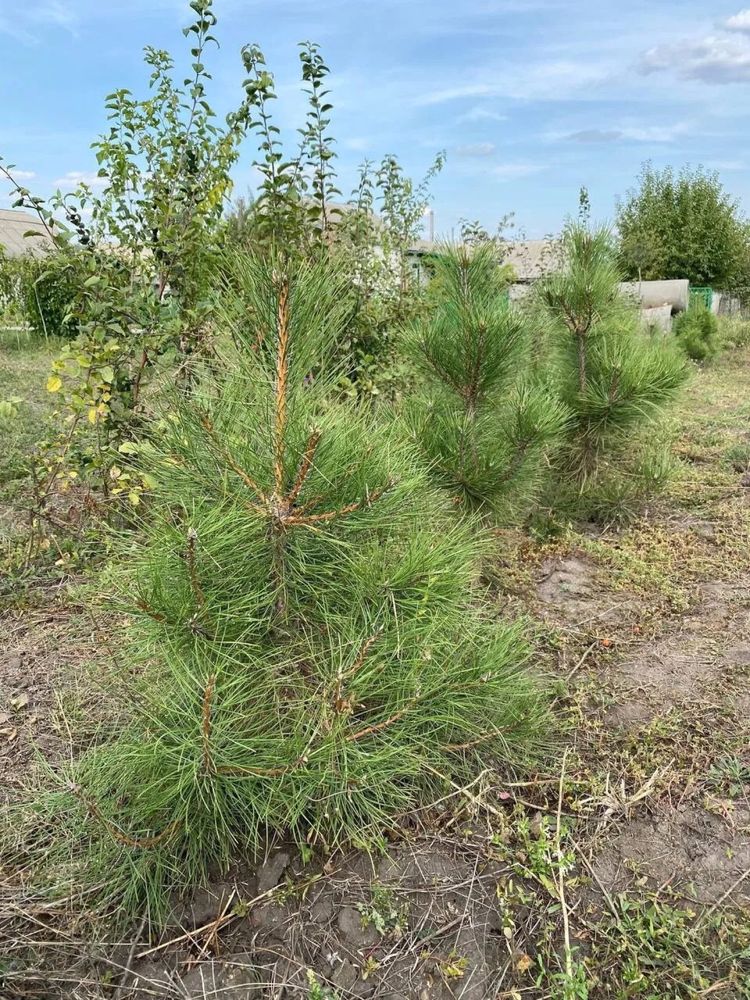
point(683, 225)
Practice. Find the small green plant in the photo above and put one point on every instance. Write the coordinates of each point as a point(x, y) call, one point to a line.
point(9, 409)
point(384, 913)
point(697, 332)
point(614, 380)
point(453, 967)
point(318, 991)
point(485, 426)
point(311, 655)
point(739, 457)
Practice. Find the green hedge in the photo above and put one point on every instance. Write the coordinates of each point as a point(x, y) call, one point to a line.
point(47, 290)
point(39, 291)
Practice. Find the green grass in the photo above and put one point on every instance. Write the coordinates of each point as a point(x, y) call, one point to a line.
point(24, 365)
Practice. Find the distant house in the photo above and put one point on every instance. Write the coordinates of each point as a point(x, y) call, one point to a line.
point(419, 256)
point(13, 239)
point(532, 259)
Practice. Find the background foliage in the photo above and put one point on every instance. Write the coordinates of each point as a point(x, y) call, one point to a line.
point(684, 225)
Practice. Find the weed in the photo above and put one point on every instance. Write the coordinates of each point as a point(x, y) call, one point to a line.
point(317, 991)
point(384, 913)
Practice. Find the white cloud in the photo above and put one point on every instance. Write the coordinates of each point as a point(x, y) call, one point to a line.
point(357, 143)
point(75, 177)
point(25, 22)
point(654, 133)
point(476, 149)
point(479, 114)
point(589, 135)
point(513, 171)
point(716, 59)
point(624, 133)
point(543, 81)
point(726, 165)
point(452, 94)
point(23, 175)
point(738, 22)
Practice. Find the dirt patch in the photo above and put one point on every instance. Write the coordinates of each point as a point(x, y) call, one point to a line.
point(573, 589)
point(705, 661)
point(685, 849)
point(424, 922)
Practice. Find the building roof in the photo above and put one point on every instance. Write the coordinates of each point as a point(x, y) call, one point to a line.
point(531, 259)
point(13, 227)
point(421, 247)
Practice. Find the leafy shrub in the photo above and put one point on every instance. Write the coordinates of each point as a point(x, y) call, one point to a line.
point(683, 225)
point(697, 332)
point(309, 652)
point(47, 289)
point(614, 379)
point(484, 425)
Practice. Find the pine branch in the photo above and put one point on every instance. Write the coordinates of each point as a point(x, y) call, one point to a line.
point(340, 703)
point(330, 515)
point(156, 615)
point(304, 468)
point(119, 835)
point(379, 726)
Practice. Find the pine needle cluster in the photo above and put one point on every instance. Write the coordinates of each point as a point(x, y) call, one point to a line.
point(485, 425)
point(613, 378)
point(304, 646)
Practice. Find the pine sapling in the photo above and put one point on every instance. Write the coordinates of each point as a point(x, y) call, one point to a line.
point(612, 377)
point(484, 424)
point(303, 643)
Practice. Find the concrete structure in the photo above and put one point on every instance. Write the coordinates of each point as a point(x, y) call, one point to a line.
point(654, 294)
point(13, 241)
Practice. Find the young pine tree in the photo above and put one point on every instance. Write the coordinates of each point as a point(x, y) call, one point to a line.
point(613, 378)
point(306, 644)
point(485, 426)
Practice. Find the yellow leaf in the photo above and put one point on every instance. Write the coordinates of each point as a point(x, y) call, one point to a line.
point(92, 414)
point(524, 963)
point(134, 498)
point(54, 382)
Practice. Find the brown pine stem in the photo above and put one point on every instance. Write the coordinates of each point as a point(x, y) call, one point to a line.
point(379, 726)
point(119, 835)
point(190, 557)
point(282, 378)
point(350, 508)
point(305, 465)
point(340, 703)
point(156, 615)
point(260, 772)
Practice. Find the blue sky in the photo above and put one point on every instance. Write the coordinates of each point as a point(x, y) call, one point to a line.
point(530, 98)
